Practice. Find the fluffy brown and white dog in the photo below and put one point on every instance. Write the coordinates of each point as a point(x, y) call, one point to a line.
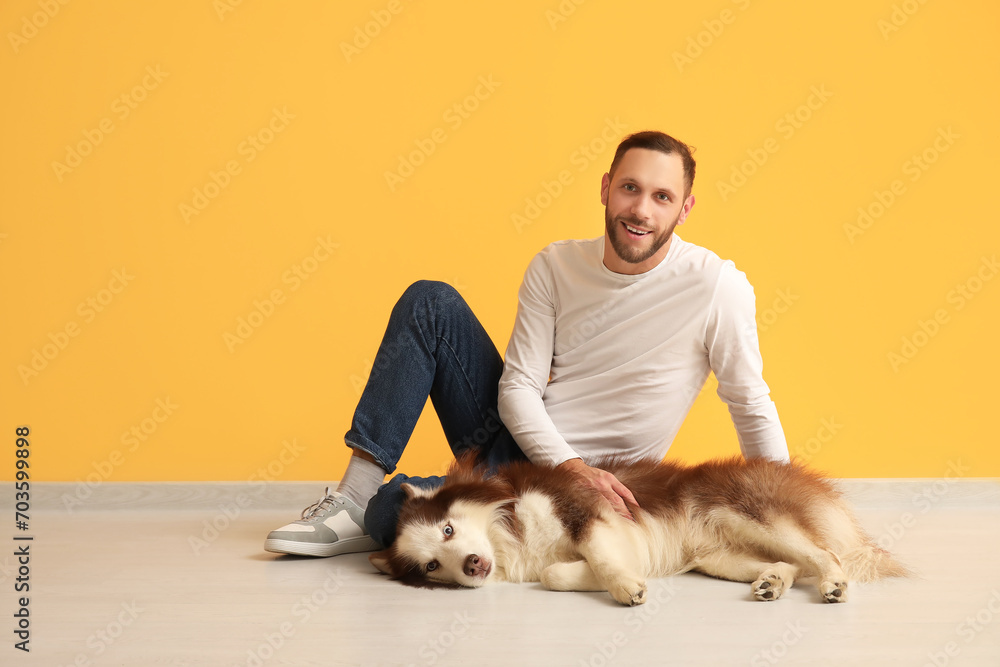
point(755, 521)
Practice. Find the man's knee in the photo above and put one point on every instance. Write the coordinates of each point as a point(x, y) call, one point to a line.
point(429, 290)
point(428, 297)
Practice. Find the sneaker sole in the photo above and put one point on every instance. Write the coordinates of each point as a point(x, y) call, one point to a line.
point(346, 546)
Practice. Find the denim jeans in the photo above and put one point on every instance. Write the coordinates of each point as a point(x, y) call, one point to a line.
point(433, 347)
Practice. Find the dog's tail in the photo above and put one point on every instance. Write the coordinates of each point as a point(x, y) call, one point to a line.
point(870, 562)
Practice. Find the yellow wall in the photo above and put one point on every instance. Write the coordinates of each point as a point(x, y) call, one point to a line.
point(169, 167)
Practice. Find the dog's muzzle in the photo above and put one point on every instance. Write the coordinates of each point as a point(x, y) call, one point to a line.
point(476, 566)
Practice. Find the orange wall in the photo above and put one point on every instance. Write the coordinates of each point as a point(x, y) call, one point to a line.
point(172, 170)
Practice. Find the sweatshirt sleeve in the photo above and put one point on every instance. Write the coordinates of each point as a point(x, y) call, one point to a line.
point(527, 363)
point(734, 356)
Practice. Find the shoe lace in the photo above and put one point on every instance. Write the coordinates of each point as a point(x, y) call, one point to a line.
point(319, 507)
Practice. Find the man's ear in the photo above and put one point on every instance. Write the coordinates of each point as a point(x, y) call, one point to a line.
point(380, 560)
point(416, 492)
point(686, 209)
point(605, 187)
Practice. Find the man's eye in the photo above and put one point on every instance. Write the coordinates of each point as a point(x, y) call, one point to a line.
point(630, 187)
point(449, 531)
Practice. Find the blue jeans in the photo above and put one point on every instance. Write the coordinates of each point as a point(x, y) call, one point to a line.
point(433, 347)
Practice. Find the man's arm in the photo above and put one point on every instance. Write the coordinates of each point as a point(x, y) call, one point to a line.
point(527, 363)
point(734, 356)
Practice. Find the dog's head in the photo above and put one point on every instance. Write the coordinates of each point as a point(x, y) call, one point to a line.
point(443, 535)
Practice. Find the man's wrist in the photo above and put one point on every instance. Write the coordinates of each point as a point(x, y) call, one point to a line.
point(575, 463)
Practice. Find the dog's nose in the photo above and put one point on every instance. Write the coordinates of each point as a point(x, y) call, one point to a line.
point(475, 566)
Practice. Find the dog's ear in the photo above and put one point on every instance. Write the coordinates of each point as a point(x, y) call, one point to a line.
point(381, 562)
point(465, 468)
point(416, 492)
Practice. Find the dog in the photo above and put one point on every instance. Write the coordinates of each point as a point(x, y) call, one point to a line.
point(755, 521)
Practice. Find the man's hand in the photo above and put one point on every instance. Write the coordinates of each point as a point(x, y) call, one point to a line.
point(604, 483)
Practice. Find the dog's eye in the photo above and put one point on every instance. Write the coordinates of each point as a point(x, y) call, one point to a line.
point(431, 566)
point(449, 531)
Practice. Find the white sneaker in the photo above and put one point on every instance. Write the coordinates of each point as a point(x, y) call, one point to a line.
point(332, 526)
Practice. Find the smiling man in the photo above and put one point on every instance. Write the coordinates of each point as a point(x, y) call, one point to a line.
point(616, 336)
point(613, 340)
point(651, 196)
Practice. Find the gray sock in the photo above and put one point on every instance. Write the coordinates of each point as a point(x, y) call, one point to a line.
point(361, 480)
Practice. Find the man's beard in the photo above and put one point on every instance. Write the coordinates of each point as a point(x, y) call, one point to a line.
point(631, 254)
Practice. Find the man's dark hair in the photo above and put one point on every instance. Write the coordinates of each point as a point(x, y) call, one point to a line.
point(658, 141)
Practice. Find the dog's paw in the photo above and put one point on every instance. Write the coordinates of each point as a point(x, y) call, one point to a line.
point(768, 588)
point(833, 591)
point(629, 592)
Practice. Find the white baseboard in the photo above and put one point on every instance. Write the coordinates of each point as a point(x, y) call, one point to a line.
point(295, 496)
point(79, 496)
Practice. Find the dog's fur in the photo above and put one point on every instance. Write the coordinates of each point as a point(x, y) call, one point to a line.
point(755, 521)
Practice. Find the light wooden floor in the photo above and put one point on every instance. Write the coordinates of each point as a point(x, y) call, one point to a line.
point(116, 585)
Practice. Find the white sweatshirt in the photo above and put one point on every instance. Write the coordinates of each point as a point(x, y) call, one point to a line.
point(604, 363)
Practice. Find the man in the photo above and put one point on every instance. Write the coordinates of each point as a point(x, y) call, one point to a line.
point(613, 341)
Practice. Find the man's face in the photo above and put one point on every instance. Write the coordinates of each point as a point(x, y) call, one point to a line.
point(643, 203)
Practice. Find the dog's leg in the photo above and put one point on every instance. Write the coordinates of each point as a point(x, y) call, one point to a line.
point(611, 551)
point(575, 576)
point(794, 546)
point(791, 544)
point(769, 580)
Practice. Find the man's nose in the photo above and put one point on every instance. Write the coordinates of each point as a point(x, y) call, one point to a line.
point(640, 208)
